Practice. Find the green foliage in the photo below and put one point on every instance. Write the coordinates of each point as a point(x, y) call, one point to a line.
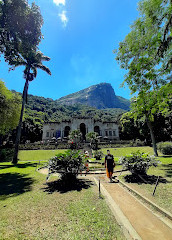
point(146, 54)
point(75, 135)
point(39, 110)
point(6, 154)
point(165, 148)
point(138, 162)
point(146, 50)
point(98, 154)
point(149, 103)
point(9, 109)
point(20, 28)
point(91, 136)
point(67, 163)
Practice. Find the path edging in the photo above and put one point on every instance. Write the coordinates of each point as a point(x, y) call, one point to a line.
point(128, 230)
point(159, 209)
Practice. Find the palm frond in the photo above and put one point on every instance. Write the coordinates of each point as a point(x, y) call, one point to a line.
point(45, 58)
point(43, 67)
point(40, 56)
point(17, 63)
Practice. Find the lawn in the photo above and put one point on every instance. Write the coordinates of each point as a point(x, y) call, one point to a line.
point(30, 155)
point(118, 152)
point(30, 209)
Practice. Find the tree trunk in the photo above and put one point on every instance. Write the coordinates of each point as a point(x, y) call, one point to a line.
point(18, 135)
point(152, 137)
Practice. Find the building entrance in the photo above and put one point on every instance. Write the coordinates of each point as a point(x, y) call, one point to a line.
point(83, 130)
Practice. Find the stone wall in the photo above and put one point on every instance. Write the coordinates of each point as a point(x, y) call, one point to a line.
point(107, 130)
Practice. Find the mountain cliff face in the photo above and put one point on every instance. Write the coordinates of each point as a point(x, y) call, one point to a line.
point(100, 96)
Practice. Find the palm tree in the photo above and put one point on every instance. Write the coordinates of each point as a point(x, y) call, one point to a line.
point(32, 61)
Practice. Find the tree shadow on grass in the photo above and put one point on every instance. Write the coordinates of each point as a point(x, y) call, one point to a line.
point(165, 156)
point(19, 165)
point(63, 187)
point(168, 169)
point(13, 184)
point(146, 179)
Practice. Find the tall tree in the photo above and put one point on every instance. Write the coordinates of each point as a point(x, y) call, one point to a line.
point(146, 55)
point(32, 61)
point(20, 34)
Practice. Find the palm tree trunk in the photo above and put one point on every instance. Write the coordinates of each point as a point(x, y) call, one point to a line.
point(15, 157)
point(152, 137)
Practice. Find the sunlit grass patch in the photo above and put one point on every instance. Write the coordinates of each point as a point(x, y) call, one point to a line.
point(27, 155)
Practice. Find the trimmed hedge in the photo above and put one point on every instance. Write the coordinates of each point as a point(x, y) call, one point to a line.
point(165, 148)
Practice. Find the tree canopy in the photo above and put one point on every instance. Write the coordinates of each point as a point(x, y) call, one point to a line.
point(9, 109)
point(146, 51)
point(146, 54)
point(20, 28)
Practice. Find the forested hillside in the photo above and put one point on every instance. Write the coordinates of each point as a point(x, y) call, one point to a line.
point(39, 110)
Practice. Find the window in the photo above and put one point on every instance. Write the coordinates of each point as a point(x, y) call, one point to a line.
point(110, 133)
point(47, 134)
point(106, 133)
point(114, 133)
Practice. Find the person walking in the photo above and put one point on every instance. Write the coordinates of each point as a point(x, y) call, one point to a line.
point(86, 162)
point(109, 165)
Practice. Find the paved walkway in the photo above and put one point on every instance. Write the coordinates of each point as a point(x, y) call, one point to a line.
point(147, 225)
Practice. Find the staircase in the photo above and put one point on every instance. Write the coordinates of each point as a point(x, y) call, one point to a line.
point(86, 147)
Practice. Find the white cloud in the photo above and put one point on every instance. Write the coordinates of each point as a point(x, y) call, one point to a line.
point(63, 18)
point(58, 2)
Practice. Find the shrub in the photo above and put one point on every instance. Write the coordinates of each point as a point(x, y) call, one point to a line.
point(165, 148)
point(6, 155)
point(68, 164)
point(138, 162)
point(98, 155)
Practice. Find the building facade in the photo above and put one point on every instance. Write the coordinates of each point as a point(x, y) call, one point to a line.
point(57, 130)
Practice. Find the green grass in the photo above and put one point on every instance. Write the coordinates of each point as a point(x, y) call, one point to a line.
point(118, 152)
point(30, 155)
point(28, 211)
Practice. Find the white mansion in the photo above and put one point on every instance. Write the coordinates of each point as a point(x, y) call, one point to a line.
point(57, 130)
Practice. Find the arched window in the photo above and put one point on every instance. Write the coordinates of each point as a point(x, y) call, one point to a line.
point(97, 130)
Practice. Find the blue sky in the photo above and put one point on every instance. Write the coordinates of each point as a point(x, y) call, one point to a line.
point(79, 37)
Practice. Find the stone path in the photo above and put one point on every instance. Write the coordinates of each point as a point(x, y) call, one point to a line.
point(146, 224)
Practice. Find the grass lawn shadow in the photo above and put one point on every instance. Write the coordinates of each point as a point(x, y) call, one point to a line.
point(168, 169)
point(19, 165)
point(146, 179)
point(63, 187)
point(13, 184)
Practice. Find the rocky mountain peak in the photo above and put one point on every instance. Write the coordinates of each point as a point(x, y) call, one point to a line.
point(100, 96)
